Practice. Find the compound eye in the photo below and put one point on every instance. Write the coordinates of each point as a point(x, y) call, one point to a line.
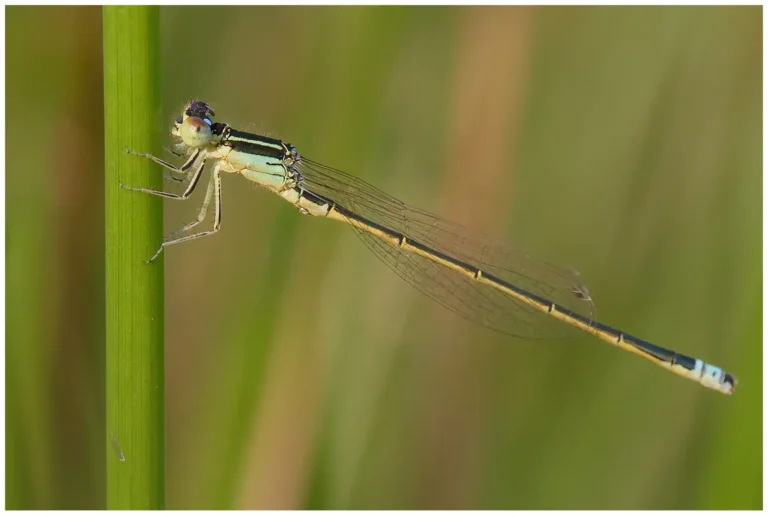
point(195, 132)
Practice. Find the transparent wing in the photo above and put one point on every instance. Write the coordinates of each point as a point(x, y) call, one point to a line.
point(475, 301)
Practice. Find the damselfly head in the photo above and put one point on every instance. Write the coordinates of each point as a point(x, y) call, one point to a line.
point(193, 127)
point(199, 109)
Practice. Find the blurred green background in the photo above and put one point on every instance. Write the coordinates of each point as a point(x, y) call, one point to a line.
point(301, 372)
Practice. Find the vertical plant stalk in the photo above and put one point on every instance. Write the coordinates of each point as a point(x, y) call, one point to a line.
point(134, 289)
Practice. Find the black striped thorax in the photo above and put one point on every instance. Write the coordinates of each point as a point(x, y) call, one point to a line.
point(249, 143)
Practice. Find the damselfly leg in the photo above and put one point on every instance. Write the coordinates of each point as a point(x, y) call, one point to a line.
point(213, 192)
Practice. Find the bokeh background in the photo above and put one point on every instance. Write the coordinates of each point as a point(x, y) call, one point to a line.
point(301, 372)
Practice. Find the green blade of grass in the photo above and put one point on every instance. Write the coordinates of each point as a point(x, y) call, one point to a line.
point(134, 290)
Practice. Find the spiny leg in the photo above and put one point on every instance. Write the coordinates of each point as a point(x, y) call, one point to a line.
point(182, 170)
point(170, 177)
point(201, 215)
point(216, 181)
point(168, 195)
point(172, 151)
point(170, 166)
point(168, 174)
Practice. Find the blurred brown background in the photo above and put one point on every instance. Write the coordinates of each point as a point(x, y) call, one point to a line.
point(301, 372)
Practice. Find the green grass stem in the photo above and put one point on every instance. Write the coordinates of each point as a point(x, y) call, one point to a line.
point(134, 289)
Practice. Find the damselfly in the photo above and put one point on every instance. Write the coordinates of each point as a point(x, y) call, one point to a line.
point(479, 278)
